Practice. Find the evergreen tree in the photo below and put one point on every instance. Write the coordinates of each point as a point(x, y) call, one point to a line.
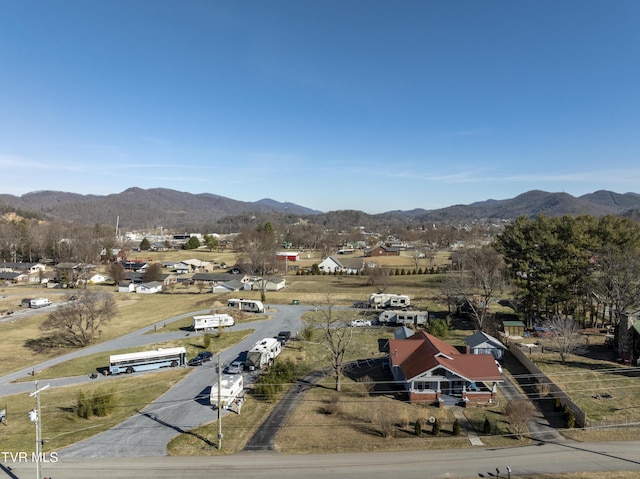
point(145, 245)
point(192, 243)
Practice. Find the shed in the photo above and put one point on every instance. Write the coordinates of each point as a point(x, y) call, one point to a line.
point(513, 328)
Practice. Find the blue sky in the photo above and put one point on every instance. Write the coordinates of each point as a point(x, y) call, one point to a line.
point(350, 104)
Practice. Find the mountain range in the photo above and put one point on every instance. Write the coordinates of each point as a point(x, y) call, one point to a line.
point(139, 208)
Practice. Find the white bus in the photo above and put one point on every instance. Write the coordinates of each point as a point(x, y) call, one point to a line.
point(146, 360)
point(248, 305)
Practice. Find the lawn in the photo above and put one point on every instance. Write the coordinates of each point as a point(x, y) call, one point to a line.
point(62, 426)
point(608, 392)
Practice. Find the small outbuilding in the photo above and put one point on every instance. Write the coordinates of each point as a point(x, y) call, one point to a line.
point(483, 343)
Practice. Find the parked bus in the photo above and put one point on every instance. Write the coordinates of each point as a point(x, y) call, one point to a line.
point(146, 360)
point(248, 305)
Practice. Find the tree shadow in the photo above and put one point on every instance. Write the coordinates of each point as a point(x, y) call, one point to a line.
point(48, 343)
point(178, 429)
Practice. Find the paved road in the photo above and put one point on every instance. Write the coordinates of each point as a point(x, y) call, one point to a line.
point(546, 458)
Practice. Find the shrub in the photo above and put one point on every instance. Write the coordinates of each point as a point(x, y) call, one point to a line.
point(558, 405)
point(100, 404)
point(456, 428)
point(83, 406)
point(435, 430)
point(364, 385)
point(418, 427)
point(273, 381)
point(570, 419)
point(438, 328)
point(486, 427)
point(334, 405)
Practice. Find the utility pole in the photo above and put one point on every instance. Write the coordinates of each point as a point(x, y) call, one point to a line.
point(36, 417)
point(219, 402)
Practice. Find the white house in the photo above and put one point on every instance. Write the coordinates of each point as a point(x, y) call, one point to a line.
point(99, 278)
point(149, 288)
point(274, 283)
point(194, 266)
point(346, 265)
point(483, 343)
point(126, 287)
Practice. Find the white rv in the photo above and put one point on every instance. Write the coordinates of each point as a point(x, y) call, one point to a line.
point(406, 318)
point(248, 305)
point(208, 321)
point(263, 353)
point(231, 388)
point(384, 300)
point(39, 303)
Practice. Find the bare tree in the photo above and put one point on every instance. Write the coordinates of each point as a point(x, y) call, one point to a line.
point(77, 321)
point(483, 276)
point(519, 413)
point(153, 273)
point(566, 337)
point(117, 272)
point(258, 252)
point(376, 277)
point(336, 335)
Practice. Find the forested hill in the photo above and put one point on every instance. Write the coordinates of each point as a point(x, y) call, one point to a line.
point(137, 208)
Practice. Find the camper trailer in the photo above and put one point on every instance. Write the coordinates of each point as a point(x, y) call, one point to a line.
point(209, 321)
point(384, 300)
point(231, 389)
point(247, 305)
point(263, 353)
point(39, 303)
point(405, 318)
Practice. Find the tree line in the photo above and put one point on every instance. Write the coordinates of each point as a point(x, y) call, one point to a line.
point(582, 267)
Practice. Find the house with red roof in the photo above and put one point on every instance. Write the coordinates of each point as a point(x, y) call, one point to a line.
point(431, 370)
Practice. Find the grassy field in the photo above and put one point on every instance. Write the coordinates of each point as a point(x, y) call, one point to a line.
point(608, 392)
point(62, 426)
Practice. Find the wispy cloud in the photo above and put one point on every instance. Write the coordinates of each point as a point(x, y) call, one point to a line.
point(10, 161)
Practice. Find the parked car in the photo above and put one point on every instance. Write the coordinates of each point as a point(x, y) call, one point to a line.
point(235, 367)
point(201, 358)
point(359, 323)
point(283, 337)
